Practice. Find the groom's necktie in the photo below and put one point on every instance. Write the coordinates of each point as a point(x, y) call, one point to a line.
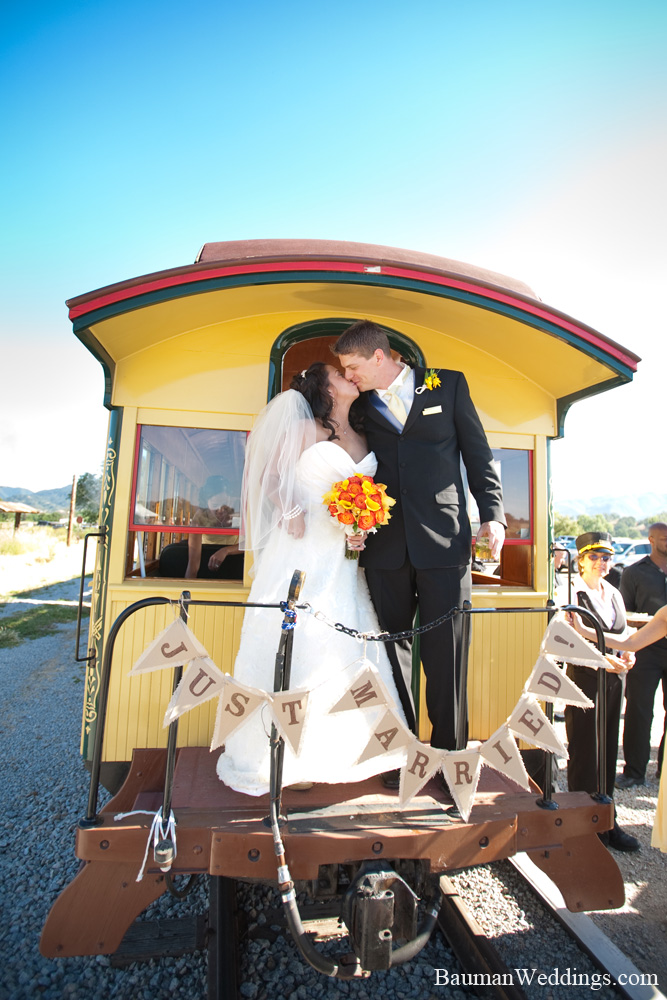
point(395, 404)
point(391, 397)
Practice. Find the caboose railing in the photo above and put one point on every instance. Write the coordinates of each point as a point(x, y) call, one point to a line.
point(282, 678)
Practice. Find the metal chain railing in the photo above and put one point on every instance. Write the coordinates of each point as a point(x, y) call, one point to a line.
point(380, 636)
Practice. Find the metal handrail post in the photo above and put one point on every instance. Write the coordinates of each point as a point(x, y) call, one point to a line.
point(462, 705)
point(91, 818)
point(77, 642)
point(547, 801)
point(601, 704)
point(173, 726)
point(561, 548)
point(281, 682)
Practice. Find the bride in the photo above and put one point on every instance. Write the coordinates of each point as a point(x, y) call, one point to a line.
point(301, 444)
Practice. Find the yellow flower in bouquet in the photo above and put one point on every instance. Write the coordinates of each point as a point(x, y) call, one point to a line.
point(358, 504)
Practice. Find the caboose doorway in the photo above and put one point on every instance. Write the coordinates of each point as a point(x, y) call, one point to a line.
point(299, 346)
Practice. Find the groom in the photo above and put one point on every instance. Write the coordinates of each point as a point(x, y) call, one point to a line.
point(419, 431)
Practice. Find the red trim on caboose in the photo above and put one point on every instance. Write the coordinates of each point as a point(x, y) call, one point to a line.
point(493, 294)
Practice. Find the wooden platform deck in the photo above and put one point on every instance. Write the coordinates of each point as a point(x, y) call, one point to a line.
point(225, 833)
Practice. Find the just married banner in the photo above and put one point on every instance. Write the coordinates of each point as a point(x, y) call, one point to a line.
point(202, 680)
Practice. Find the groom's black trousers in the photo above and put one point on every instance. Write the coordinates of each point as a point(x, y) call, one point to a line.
point(396, 595)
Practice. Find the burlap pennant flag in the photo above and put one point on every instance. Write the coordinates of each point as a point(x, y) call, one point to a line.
point(549, 683)
point(461, 770)
point(502, 754)
point(237, 703)
point(565, 643)
point(422, 763)
point(289, 711)
point(390, 733)
point(529, 723)
point(202, 681)
point(365, 691)
point(173, 647)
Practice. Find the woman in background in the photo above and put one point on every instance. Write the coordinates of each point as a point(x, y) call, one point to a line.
point(592, 591)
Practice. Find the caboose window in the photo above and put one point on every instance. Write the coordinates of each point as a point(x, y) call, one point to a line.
point(186, 497)
point(515, 469)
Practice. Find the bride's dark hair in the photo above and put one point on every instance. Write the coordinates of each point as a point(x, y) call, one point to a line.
point(313, 384)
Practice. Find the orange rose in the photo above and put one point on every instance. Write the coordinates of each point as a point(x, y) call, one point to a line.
point(367, 521)
point(360, 501)
point(345, 497)
point(355, 479)
point(346, 517)
point(333, 509)
point(380, 516)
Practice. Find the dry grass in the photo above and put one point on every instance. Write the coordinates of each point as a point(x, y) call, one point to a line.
point(39, 542)
point(37, 556)
point(34, 559)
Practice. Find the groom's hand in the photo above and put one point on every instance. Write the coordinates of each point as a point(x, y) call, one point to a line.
point(495, 532)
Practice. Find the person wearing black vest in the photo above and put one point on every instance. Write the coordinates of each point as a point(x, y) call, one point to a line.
point(644, 589)
point(592, 591)
point(421, 424)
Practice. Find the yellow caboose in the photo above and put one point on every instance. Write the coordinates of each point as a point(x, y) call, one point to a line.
point(191, 355)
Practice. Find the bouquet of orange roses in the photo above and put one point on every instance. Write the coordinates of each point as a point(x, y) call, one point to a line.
point(358, 504)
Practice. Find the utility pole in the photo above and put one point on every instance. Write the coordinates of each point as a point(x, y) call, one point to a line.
point(72, 508)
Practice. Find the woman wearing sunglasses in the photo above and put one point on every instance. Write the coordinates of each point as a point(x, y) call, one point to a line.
point(593, 592)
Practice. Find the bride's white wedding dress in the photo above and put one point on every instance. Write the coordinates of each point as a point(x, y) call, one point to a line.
point(323, 659)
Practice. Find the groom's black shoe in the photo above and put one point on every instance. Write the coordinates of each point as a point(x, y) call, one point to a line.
point(391, 779)
point(628, 781)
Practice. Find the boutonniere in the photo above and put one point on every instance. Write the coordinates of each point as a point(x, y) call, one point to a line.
point(431, 381)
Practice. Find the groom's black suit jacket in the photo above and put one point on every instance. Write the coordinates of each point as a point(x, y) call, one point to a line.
point(421, 468)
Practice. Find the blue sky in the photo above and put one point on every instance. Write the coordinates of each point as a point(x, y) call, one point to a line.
point(527, 138)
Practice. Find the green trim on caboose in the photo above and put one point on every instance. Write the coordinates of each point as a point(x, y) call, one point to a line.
point(98, 629)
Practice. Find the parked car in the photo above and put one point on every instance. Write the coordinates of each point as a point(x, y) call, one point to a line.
point(630, 552)
point(568, 541)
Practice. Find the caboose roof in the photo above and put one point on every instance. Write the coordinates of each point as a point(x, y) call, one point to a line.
point(435, 300)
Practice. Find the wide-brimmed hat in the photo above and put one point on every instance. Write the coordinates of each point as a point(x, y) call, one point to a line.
point(599, 541)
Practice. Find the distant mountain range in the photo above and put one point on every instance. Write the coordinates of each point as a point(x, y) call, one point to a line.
point(43, 500)
point(638, 506)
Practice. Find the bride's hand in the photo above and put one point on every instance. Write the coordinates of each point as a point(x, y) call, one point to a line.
point(357, 542)
point(296, 526)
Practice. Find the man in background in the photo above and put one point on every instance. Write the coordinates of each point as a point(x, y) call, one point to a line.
point(644, 589)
